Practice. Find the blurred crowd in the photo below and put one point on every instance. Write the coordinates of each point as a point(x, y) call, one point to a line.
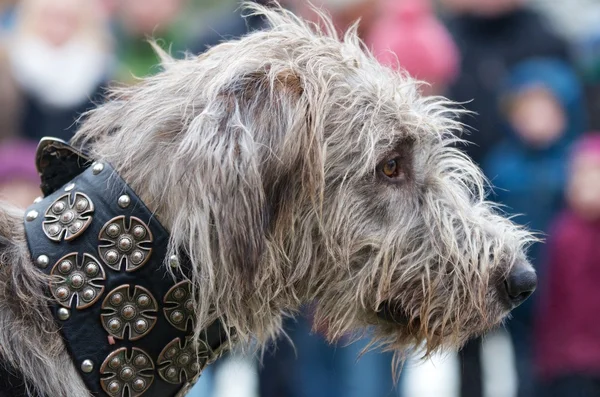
point(529, 70)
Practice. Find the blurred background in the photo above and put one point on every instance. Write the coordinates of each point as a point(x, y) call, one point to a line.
point(528, 69)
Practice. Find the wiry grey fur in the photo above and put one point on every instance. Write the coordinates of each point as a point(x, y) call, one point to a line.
point(261, 156)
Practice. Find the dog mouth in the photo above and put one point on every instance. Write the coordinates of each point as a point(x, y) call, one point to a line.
point(394, 313)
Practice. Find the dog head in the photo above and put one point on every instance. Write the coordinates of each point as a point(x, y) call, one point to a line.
point(291, 167)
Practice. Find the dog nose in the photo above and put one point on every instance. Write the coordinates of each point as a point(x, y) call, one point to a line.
point(520, 283)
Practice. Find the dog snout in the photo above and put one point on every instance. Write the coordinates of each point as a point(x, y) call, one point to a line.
point(520, 283)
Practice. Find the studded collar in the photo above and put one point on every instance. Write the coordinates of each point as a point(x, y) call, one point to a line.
point(126, 321)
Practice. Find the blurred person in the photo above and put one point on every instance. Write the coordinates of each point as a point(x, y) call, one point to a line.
point(567, 332)
point(60, 55)
point(19, 180)
point(542, 105)
point(407, 34)
point(493, 36)
point(139, 20)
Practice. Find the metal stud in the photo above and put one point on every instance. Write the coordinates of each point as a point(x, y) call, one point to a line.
point(77, 280)
point(65, 266)
point(171, 373)
point(115, 362)
point(112, 257)
point(116, 299)
point(113, 230)
point(69, 187)
point(53, 230)
point(137, 257)
point(31, 215)
point(114, 387)
point(62, 293)
point(38, 199)
point(125, 243)
point(176, 316)
point(64, 314)
point(127, 373)
point(128, 312)
point(97, 168)
point(88, 294)
point(143, 300)
point(114, 324)
point(67, 217)
point(178, 293)
point(58, 207)
point(42, 261)
point(139, 384)
point(173, 261)
point(139, 232)
point(81, 205)
point(140, 360)
point(141, 325)
point(91, 269)
point(124, 201)
point(183, 359)
point(87, 366)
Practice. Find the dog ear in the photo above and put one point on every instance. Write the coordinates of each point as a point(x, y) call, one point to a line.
point(255, 150)
point(233, 191)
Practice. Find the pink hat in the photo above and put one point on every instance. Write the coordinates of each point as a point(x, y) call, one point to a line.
point(409, 35)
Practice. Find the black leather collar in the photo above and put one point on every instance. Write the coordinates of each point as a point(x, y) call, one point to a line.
point(126, 321)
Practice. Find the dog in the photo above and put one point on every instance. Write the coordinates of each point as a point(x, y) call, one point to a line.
point(288, 167)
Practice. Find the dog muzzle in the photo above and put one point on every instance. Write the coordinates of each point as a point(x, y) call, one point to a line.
point(125, 311)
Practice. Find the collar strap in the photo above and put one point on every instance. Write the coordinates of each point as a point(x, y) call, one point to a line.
point(126, 321)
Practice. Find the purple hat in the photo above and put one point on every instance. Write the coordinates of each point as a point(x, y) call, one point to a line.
point(17, 161)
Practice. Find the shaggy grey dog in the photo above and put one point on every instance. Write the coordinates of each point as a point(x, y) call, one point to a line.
point(291, 167)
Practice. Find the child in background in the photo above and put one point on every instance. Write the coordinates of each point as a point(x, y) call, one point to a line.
point(60, 52)
point(544, 114)
point(567, 330)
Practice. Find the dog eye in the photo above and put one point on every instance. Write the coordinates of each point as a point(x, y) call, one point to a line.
point(391, 169)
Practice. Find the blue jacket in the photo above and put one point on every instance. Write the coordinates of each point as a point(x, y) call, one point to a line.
point(527, 180)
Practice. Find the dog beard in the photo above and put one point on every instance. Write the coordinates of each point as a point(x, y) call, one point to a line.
point(59, 77)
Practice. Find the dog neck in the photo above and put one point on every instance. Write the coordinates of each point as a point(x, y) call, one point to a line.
point(105, 255)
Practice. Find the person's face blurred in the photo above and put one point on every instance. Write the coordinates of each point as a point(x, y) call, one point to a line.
point(482, 7)
point(537, 117)
point(18, 192)
point(145, 16)
point(58, 21)
point(583, 192)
